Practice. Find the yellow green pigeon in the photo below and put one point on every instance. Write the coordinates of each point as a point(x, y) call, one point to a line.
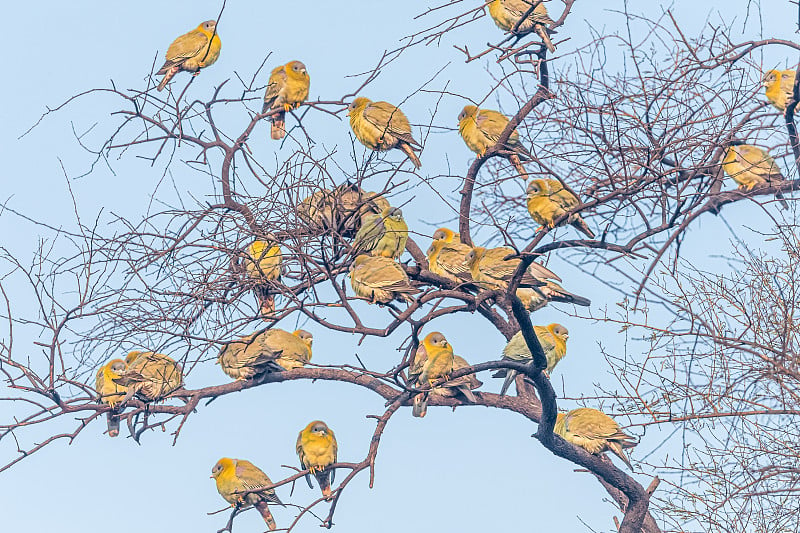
point(507, 13)
point(236, 478)
point(287, 88)
point(317, 449)
point(380, 280)
point(779, 87)
point(547, 200)
point(382, 126)
point(553, 339)
point(595, 432)
point(385, 234)
point(151, 377)
point(111, 393)
point(191, 51)
point(481, 129)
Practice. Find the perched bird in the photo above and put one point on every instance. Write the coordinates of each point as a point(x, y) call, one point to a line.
point(248, 356)
point(235, 477)
point(481, 128)
point(548, 200)
point(750, 166)
point(263, 263)
point(385, 234)
point(446, 256)
point(491, 269)
point(342, 210)
point(779, 85)
point(287, 89)
point(382, 126)
point(151, 377)
point(553, 339)
point(111, 393)
point(433, 361)
point(191, 51)
point(380, 280)
point(535, 298)
point(507, 13)
point(293, 349)
point(447, 260)
point(316, 447)
point(594, 431)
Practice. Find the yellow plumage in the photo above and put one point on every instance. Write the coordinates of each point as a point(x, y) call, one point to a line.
point(750, 166)
point(287, 88)
point(385, 234)
point(111, 393)
point(235, 477)
point(491, 269)
point(317, 449)
point(594, 431)
point(191, 51)
point(382, 126)
point(779, 87)
point(553, 339)
point(547, 200)
point(380, 280)
point(481, 129)
point(341, 210)
point(433, 361)
point(151, 377)
point(272, 350)
point(263, 264)
point(506, 14)
point(446, 256)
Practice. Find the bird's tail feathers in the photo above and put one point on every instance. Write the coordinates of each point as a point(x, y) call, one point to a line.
point(113, 424)
point(278, 129)
point(168, 74)
point(263, 508)
point(420, 407)
point(406, 148)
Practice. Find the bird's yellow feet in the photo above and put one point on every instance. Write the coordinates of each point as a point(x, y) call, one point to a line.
point(287, 107)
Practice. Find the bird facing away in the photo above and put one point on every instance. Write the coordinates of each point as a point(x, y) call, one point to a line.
point(235, 477)
point(341, 210)
point(264, 263)
point(507, 13)
point(779, 87)
point(317, 449)
point(293, 349)
point(553, 339)
point(750, 166)
point(595, 432)
point(385, 234)
point(287, 88)
point(548, 200)
point(382, 126)
point(481, 129)
point(151, 377)
point(248, 356)
point(490, 268)
point(191, 51)
point(111, 393)
point(433, 361)
point(380, 280)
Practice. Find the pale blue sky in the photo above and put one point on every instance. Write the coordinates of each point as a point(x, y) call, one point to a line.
point(469, 470)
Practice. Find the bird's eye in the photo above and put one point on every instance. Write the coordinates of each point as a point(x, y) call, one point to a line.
point(461, 115)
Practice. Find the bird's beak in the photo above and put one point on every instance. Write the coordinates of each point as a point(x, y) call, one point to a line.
point(211, 476)
point(566, 336)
